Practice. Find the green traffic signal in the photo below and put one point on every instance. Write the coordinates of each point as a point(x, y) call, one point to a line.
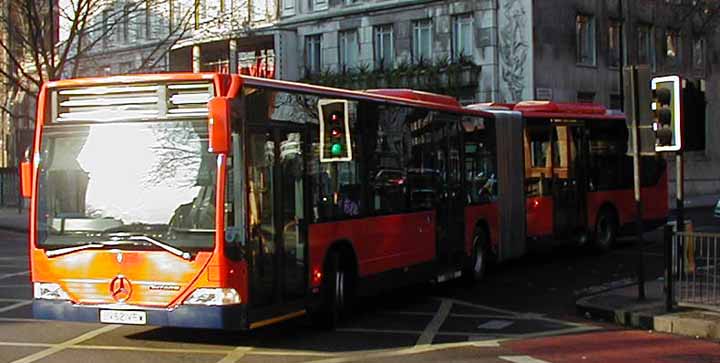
point(336, 149)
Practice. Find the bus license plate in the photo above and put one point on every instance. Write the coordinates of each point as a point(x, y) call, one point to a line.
point(123, 317)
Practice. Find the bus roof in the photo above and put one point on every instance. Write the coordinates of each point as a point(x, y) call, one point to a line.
point(404, 97)
point(557, 110)
point(132, 78)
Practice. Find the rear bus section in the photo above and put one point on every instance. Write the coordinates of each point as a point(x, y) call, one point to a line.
point(124, 208)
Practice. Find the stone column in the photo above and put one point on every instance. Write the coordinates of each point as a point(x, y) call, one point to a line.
point(196, 58)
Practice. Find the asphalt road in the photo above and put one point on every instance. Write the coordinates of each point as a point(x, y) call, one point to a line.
point(523, 312)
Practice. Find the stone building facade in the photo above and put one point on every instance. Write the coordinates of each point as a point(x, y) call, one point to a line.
point(326, 36)
point(477, 50)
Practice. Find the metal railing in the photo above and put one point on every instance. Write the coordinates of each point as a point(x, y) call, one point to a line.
point(9, 188)
point(696, 269)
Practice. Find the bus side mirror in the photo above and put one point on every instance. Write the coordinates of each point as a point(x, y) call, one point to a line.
point(26, 168)
point(219, 124)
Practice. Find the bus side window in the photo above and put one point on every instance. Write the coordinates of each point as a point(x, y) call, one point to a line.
point(480, 160)
point(538, 161)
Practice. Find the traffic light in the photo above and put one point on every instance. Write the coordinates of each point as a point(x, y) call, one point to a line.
point(334, 131)
point(667, 113)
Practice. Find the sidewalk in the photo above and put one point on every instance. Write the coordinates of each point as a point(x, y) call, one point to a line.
point(11, 220)
point(622, 307)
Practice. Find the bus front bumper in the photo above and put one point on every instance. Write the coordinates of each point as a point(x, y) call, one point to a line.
point(231, 317)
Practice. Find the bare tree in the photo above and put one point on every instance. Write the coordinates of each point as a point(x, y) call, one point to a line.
point(702, 16)
point(49, 40)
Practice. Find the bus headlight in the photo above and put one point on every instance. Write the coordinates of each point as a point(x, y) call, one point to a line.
point(213, 296)
point(49, 291)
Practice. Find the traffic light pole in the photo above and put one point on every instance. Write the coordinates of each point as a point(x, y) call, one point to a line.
point(637, 174)
point(680, 190)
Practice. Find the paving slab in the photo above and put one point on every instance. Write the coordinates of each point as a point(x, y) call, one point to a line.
point(12, 353)
point(109, 356)
point(622, 307)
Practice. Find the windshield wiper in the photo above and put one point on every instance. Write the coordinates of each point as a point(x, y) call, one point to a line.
point(143, 238)
point(118, 239)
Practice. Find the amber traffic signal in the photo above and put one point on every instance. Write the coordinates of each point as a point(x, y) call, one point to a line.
point(667, 113)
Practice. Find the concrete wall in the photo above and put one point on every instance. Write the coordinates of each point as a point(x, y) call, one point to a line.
point(556, 67)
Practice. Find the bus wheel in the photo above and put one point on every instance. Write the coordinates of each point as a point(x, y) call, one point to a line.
point(606, 229)
point(335, 287)
point(479, 259)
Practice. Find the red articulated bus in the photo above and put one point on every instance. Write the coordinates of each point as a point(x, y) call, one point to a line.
point(232, 202)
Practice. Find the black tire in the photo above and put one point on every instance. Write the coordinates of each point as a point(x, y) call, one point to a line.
point(335, 293)
point(606, 230)
point(479, 259)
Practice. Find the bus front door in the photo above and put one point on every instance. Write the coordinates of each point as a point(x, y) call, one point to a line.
point(277, 243)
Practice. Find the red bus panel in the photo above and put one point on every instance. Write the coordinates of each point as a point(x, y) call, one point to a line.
point(381, 243)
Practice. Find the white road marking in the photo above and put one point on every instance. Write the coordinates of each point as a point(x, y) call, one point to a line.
point(521, 359)
point(434, 325)
point(495, 324)
point(5, 276)
point(22, 320)
point(214, 351)
point(66, 344)
point(15, 306)
point(482, 307)
point(235, 355)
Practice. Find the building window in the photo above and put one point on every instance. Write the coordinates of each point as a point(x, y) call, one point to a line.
point(614, 44)
point(422, 41)
point(585, 97)
point(317, 5)
point(288, 7)
point(462, 36)
point(125, 67)
point(148, 20)
point(348, 49)
point(125, 24)
point(699, 54)
point(105, 27)
point(672, 47)
point(585, 32)
point(646, 53)
point(384, 47)
point(313, 53)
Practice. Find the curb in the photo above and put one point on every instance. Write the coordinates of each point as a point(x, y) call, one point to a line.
point(14, 229)
point(629, 318)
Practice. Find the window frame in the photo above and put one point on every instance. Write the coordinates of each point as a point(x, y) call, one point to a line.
point(312, 41)
point(419, 27)
point(457, 22)
point(649, 44)
point(344, 48)
point(379, 31)
point(615, 28)
point(590, 36)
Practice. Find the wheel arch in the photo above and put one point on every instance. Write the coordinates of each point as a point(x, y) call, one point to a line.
point(482, 226)
point(347, 254)
point(606, 206)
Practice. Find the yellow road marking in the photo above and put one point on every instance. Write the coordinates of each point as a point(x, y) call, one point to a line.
point(276, 319)
point(64, 345)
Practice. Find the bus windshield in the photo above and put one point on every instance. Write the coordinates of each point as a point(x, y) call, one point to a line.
point(100, 181)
